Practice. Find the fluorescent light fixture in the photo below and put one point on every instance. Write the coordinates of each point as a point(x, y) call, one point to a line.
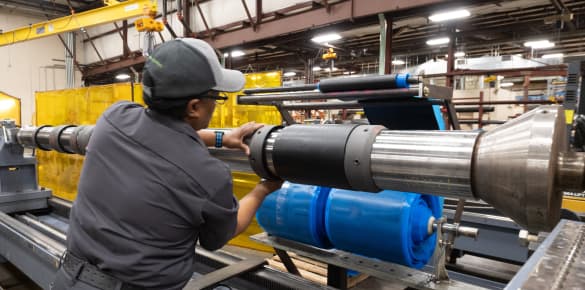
point(316, 68)
point(398, 62)
point(537, 44)
point(459, 54)
point(225, 54)
point(122, 77)
point(553, 55)
point(323, 38)
point(290, 74)
point(328, 69)
point(438, 41)
point(450, 15)
point(505, 85)
point(238, 53)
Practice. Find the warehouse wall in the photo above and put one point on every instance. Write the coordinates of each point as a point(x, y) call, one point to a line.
point(30, 66)
point(217, 13)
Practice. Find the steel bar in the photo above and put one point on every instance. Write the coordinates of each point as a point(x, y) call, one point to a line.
point(322, 105)
point(363, 95)
point(307, 87)
point(287, 262)
point(29, 250)
point(249, 15)
point(430, 162)
point(506, 102)
point(70, 53)
point(225, 273)
point(394, 272)
point(203, 19)
point(43, 228)
point(258, 12)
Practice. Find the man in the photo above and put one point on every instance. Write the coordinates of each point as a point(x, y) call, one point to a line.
point(149, 189)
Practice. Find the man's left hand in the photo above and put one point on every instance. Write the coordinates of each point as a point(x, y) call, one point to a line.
point(235, 138)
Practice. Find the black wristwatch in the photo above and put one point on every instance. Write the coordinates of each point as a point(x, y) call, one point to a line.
point(219, 139)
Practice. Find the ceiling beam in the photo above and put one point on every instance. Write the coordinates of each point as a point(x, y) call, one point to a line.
point(314, 18)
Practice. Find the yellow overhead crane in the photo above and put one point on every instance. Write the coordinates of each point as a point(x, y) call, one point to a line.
point(113, 11)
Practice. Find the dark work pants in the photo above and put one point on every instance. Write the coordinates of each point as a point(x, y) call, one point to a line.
point(64, 281)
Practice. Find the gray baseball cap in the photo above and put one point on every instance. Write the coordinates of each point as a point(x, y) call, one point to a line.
point(182, 69)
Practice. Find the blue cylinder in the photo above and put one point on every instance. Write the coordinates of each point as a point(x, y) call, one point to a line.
point(390, 225)
point(402, 80)
point(296, 212)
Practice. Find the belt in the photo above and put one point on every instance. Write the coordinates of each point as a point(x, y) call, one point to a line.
point(83, 271)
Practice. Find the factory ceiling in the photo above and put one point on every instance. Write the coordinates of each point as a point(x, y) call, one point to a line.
point(494, 28)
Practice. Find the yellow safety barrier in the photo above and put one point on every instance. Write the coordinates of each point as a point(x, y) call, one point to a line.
point(60, 172)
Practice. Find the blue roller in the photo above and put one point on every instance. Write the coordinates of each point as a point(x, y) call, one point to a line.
point(296, 212)
point(390, 225)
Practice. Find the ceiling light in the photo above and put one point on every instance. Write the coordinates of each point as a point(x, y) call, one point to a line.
point(316, 68)
point(290, 74)
point(398, 62)
point(328, 69)
point(323, 38)
point(238, 53)
point(225, 54)
point(444, 16)
point(438, 41)
point(459, 54)
point(539, 44)
point(504, 85)
point(122, 76)
point(553, 55)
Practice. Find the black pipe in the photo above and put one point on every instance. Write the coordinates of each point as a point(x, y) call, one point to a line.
point(382, 82)
point(164, 17)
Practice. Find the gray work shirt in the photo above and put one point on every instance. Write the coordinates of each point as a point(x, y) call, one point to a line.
point(149, 189)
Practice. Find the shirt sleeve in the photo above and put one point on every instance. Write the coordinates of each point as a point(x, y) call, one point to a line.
point(220, 216)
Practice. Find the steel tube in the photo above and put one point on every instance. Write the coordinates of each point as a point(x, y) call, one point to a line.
point(65, 139)
point(322, 105)
point(281, 89)
point(353, 95)
point(42, 138)
point(433, 162)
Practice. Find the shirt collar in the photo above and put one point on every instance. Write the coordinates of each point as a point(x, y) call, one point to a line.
point(175, 124)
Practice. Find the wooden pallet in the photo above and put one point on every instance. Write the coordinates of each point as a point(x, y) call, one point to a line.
point(312, 270)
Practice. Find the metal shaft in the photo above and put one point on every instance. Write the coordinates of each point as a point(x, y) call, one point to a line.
point(433, 162)
point(520, 168)
point(70, 139)
point(350, 95)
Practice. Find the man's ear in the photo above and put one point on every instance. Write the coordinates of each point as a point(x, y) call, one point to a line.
point(193, 108)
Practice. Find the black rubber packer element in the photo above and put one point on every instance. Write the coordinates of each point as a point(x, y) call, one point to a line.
point(312, 154)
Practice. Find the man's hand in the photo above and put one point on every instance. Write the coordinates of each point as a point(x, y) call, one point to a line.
point(269, 186)
point(235, 138)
